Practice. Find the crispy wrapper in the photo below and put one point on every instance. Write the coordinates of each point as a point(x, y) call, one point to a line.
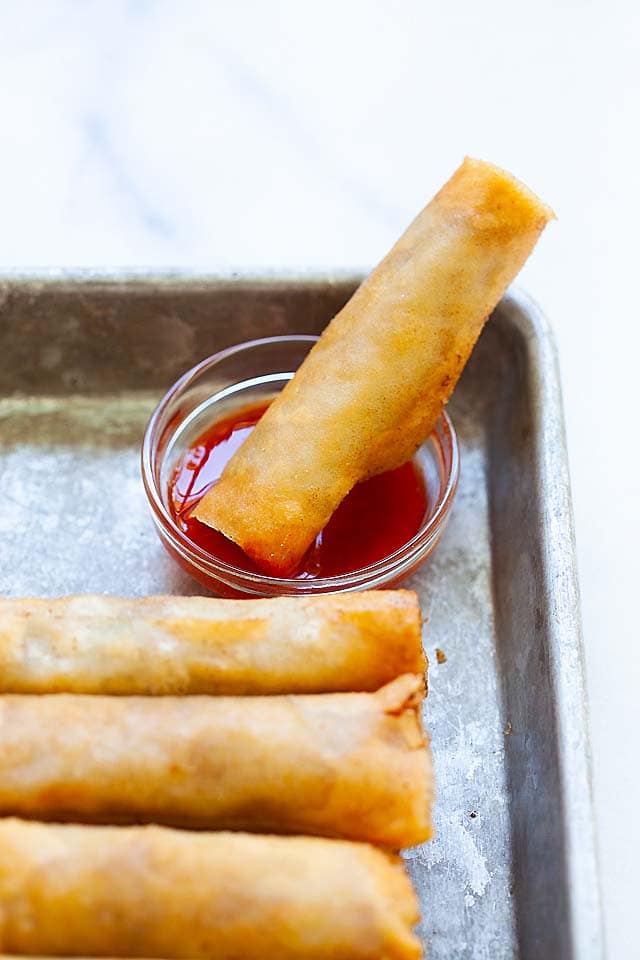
point(352, 765)
point(348, 642)
point(369, 393)
point(156, 892)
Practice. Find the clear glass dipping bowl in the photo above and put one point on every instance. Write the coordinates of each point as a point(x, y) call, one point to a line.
point(246, 374)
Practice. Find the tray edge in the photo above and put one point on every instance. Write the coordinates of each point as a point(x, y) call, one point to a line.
point(566, 648)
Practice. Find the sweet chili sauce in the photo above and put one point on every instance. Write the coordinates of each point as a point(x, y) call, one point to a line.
point(376, 518)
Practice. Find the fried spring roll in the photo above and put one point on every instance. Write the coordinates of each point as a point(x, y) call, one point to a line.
point(351, 765)
point(154, 892)
point(155, 645)
point(370, 392)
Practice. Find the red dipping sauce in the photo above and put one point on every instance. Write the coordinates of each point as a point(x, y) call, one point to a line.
point(377, 518)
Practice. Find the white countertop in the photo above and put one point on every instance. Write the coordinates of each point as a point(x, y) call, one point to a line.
point(288, 134)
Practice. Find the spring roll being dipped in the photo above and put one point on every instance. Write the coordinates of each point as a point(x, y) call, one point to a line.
point(155, 892)
point(370, 392)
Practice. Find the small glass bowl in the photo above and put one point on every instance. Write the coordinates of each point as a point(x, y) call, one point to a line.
point(249, 373)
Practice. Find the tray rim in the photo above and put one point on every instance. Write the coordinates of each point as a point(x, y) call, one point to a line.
point(557, 534)
point(567, 664)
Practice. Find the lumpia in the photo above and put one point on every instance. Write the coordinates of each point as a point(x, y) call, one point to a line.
point(154, 892)
point(369, 393)
point(342, 765)
point(180, 645)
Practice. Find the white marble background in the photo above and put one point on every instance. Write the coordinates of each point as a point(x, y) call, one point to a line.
point(296, 134)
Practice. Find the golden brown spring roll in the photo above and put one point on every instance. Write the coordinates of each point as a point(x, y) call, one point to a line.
point(352, 765)
point(349, 642)
point(371, 390)
point(154, 892)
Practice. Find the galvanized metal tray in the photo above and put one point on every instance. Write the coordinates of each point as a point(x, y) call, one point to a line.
point(83, 360)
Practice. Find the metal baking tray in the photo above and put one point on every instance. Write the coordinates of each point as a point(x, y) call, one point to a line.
point(84, 359)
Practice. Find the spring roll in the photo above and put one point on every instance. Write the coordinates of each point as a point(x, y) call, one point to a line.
point(191, 645)
point(154, 892)
point(370, 392)
point(352, 765)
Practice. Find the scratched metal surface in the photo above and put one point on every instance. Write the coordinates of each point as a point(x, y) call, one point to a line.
point(84, 359)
